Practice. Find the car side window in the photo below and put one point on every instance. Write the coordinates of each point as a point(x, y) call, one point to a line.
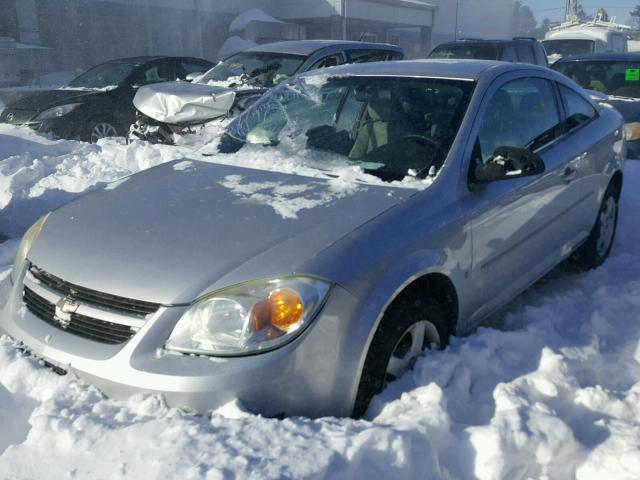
point(156, 72)
point(188, 67)
point(365, 56)
point(328, 61)
point(523, 113)
point(578, 110)
point(525, 54)
point(509, 54)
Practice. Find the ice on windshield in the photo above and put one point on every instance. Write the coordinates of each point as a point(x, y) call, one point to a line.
point(388, 127)
point(621, 79)
point(261, 68)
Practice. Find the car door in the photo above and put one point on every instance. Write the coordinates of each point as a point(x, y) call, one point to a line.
point(587, 150)
point(520, 226)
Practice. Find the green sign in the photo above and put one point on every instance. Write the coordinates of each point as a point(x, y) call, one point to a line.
point(632, 75)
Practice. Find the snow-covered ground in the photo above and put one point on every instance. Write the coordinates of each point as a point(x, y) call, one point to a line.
point(551, 390)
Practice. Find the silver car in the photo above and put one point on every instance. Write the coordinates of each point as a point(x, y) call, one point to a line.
point(298, 295)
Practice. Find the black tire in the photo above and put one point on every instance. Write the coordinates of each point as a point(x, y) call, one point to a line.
point(105, 125)
point(395, 324)
point(596, 249)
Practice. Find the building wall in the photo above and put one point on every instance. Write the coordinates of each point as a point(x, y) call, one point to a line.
point(82, 33)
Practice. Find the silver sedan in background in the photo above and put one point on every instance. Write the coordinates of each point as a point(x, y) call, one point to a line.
point(421, 197)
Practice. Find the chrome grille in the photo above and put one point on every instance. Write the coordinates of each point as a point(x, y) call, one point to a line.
point(126, 306)
point(81, 325)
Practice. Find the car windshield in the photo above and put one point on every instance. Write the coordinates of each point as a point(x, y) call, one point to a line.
point(390, 127)
point(474, 52)
point(105, 75)
point(619, 78)
point(568, 47)
point(263, 68)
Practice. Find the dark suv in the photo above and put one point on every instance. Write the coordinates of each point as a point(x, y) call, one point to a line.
point(519, 49)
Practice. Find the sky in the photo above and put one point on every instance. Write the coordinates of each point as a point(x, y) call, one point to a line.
point(554, 9)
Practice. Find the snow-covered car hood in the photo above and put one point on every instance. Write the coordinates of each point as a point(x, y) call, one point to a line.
point(169, 233)
point(178, 102)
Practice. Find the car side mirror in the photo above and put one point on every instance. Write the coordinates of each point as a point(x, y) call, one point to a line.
point(192, 77)
point(509, 162)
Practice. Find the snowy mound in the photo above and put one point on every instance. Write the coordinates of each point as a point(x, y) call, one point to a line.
point(551, 390)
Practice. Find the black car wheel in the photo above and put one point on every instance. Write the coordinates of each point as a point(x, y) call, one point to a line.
point(408, 328)
point(596, 249)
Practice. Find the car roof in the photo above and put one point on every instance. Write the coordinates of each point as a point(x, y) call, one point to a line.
point(470, 70)
point(484, 41)
point(307, 47)
point(623, 57)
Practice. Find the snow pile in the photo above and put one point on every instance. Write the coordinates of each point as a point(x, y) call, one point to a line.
point(38, 174)
point(552, 391)
point(243, 20)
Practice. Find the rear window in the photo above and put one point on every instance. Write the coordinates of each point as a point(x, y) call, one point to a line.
point(618, 78)
point(365, 56)
point(569, 47)
point(469, 51)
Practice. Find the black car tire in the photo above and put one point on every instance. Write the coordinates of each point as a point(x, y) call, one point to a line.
point(596, 249)
point(398, 322)
point(100, 127)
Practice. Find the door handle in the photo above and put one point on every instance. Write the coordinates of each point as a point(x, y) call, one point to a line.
point(569, 174)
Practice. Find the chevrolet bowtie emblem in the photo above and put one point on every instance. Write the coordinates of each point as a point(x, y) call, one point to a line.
point(64, 308)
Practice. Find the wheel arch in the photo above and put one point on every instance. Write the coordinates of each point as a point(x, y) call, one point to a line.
point(616, 179)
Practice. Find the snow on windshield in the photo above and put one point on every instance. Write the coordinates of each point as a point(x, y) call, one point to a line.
point(390, 127)
point(256, 68)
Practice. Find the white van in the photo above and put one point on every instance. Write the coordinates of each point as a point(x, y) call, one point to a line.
point(575, 38)
point(8, 62)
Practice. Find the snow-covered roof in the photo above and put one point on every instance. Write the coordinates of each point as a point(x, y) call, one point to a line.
point(580, 32)
point(251, 15)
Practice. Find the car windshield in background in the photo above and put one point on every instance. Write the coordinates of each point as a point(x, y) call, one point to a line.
point(390, 127)
point(105, 75)
point(473, 52)
point(568, 47)
point(620, 79)
point(263, 68)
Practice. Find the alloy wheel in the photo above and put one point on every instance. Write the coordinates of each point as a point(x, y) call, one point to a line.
point(102, 130)
point(607, 220)
point(416, 338)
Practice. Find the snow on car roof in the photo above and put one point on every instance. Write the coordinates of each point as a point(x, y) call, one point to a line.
point(438, 68)
point(307, 47)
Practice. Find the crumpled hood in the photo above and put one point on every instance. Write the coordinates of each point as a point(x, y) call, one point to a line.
point(167, 234)
point(177, 102)
point(50, 98)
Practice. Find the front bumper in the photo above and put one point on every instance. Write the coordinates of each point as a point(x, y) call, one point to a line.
point(313, 375)
point(67, 126)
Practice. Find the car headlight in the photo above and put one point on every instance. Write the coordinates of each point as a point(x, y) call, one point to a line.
point(25, 246)
point(249, 318)
point(58, 111)
point(631, 131)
